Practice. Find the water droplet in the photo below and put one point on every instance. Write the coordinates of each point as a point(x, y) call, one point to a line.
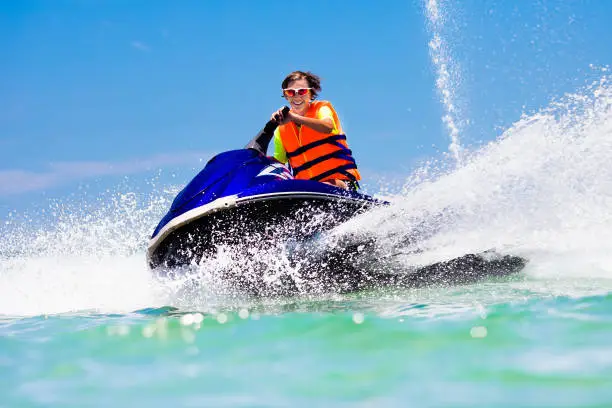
point(478, 332)
point(187, 319)
point(358, 318)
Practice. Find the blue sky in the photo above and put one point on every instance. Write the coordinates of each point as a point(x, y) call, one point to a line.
point(93, 91)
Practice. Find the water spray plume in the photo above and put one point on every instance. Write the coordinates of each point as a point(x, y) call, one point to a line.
point(447, 72)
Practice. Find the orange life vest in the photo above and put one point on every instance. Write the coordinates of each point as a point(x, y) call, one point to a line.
point(318, 156)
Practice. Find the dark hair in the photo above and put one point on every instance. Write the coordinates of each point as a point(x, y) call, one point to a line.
point(313, 80)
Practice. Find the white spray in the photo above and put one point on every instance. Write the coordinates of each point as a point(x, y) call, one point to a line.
point(543, 191)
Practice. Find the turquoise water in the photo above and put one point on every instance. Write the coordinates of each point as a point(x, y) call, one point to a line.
point(457, 347)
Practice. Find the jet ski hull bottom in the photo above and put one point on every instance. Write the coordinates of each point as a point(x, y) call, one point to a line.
point(466, 269)
point(361, 268)
point(329, 275)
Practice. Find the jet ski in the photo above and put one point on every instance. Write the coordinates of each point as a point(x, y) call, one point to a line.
point(241, 192)
point(243, 198)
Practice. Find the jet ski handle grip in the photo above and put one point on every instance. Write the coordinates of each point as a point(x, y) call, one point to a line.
point(263, 138)
point(272, 124)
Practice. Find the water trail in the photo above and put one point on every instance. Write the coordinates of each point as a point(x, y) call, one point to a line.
point(447, 71)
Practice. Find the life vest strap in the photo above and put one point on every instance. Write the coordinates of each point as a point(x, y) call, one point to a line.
point(305, 148)
point(341, 170)
point(344, 154)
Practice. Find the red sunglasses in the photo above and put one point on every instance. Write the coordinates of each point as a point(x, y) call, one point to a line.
point(292, 92)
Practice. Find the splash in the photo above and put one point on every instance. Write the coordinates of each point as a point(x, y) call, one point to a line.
point(82, 256)
point(448, 76)
point(543, 190)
